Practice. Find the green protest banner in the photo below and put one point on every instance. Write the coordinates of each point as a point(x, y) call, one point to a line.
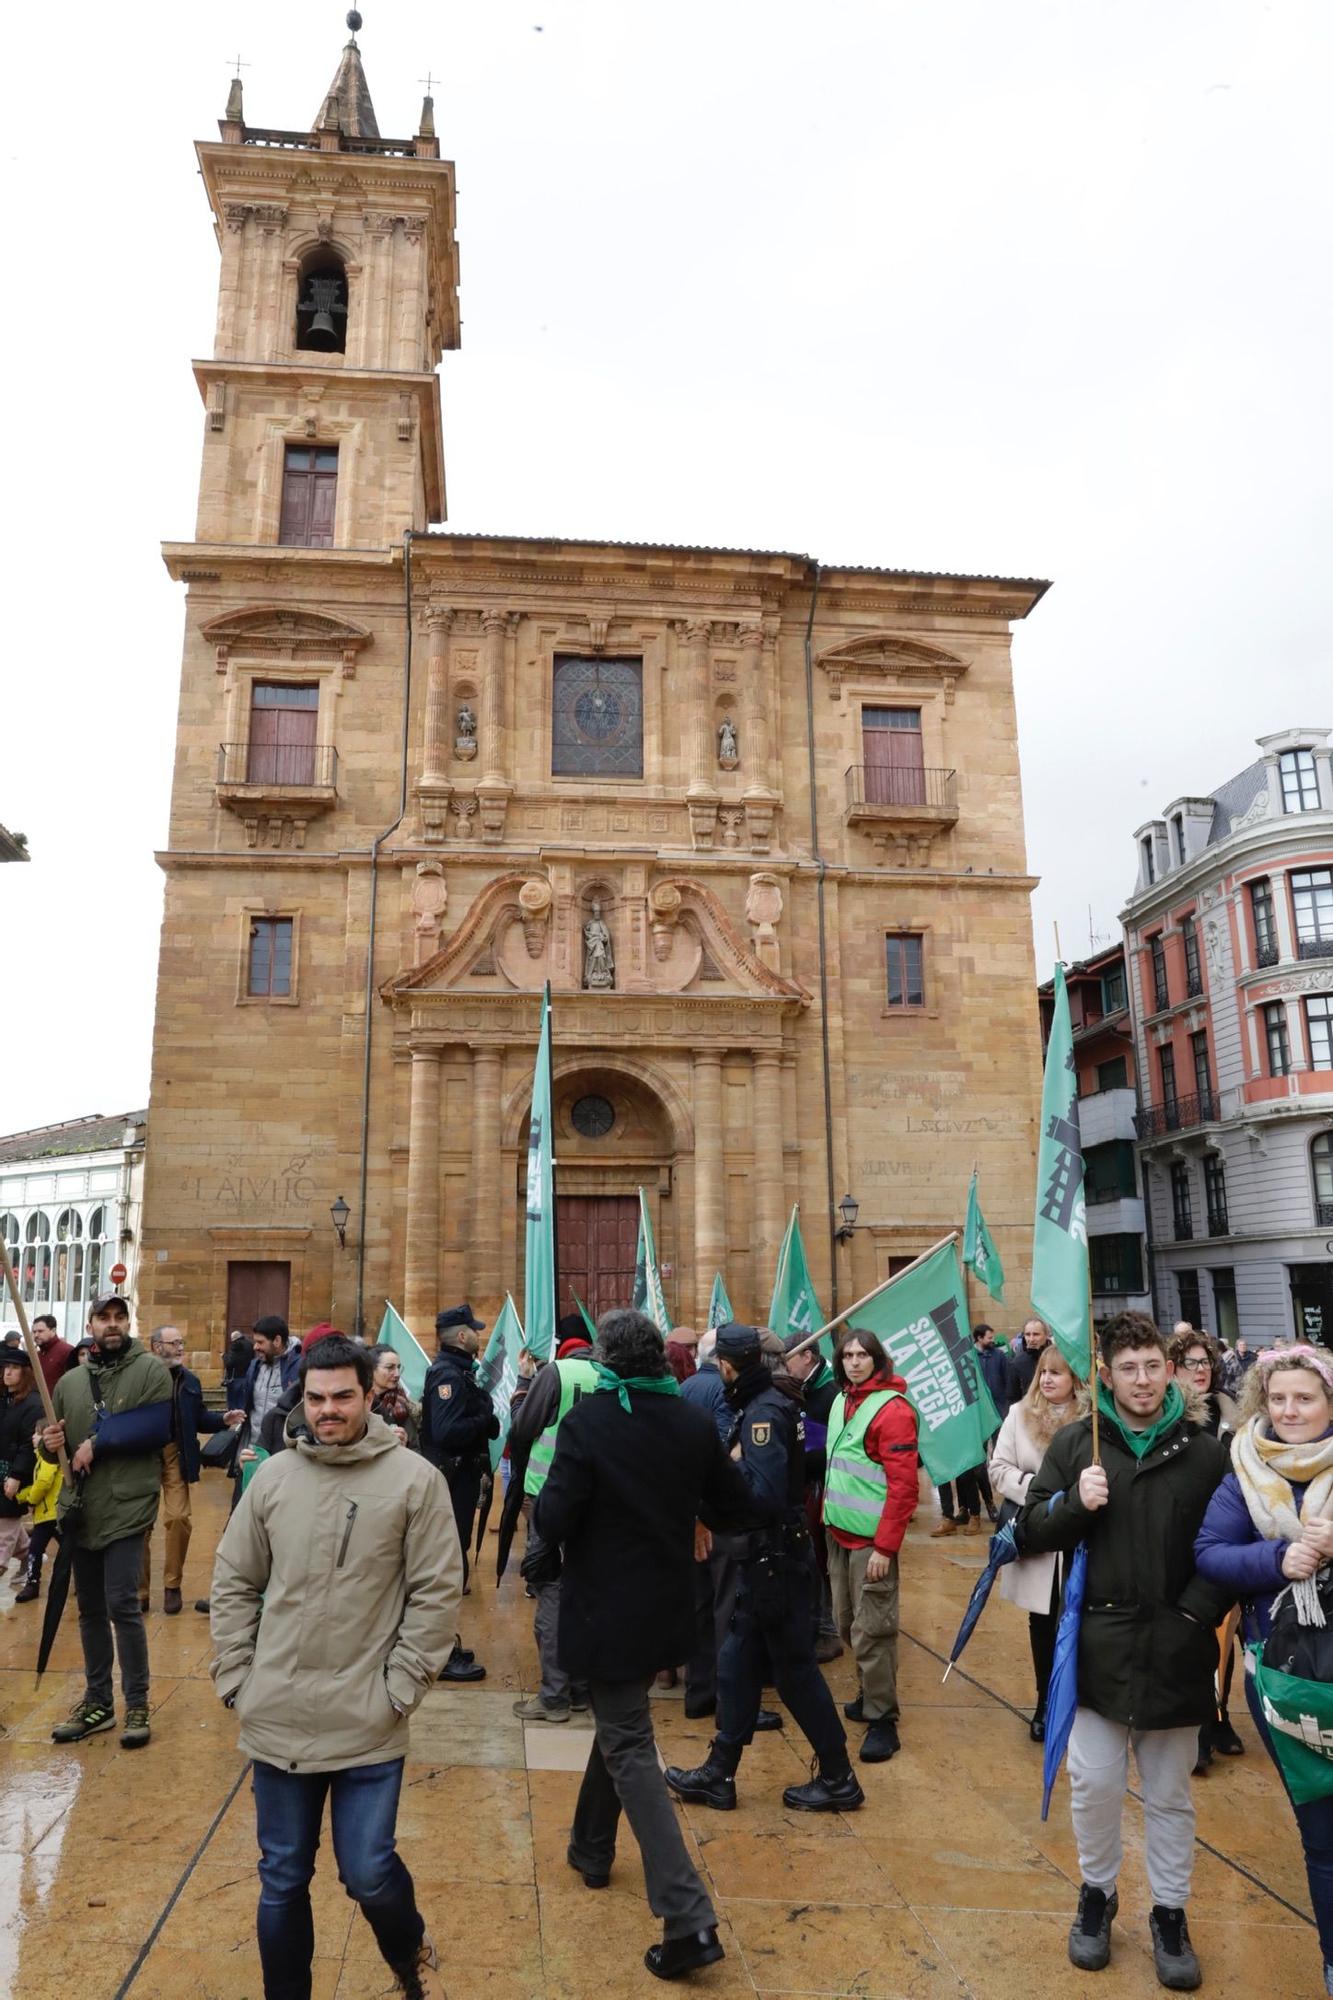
point(648, 1294)
point(539, 1270)
point(1060, 1229)
point(979, 1251)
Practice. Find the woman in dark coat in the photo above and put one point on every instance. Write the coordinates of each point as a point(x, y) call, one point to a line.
point(20, 1414)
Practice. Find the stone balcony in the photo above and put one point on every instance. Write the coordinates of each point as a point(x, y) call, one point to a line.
point(903, 808)
point(1107, 1115)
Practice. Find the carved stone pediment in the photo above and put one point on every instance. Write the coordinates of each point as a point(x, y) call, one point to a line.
point(514, 937)
point(275, 631)
point(888, 656)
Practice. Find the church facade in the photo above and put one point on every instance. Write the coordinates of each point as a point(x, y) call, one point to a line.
point(756, 819)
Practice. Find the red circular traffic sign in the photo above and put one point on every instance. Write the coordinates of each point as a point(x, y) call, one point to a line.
point(118, 1274)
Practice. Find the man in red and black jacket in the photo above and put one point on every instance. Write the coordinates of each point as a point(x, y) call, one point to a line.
point(872, 1465)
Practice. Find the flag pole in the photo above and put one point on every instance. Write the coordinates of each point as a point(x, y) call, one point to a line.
point(555, 1206)
point(829, 1325)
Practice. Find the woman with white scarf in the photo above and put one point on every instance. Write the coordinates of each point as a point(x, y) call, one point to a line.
point(1269, 1525)
point(1053, 1399)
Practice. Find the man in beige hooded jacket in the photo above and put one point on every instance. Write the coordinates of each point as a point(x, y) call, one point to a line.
point(334, 1602)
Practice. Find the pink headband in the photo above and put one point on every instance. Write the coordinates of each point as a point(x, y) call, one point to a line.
point(1299, 1355)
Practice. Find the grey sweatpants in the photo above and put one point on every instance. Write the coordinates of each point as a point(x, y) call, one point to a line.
point(1098, 1774)
point(623, 1772)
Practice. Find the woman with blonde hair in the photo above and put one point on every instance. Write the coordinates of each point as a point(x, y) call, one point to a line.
point(1053, 1399)
point(1269, 1529)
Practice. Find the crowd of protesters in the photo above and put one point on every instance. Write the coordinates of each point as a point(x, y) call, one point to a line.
point(727, 1508)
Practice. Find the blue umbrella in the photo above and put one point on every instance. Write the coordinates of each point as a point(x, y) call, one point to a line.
point(1003, 1549)
point(1062, 1695)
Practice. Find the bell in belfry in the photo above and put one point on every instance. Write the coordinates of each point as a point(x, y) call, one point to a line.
point(321, 309)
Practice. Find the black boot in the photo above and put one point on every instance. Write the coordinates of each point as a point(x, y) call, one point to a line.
point(1037, 1726)
point(461, 1666)
point(855, 1710)
point(712, 1783)
point(824, 1793)
point(1225, 1741)
point(677, 1956)
point(767, 1718)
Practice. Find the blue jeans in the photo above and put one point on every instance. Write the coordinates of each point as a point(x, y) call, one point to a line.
point(1315, 1822)
point(289, 1806)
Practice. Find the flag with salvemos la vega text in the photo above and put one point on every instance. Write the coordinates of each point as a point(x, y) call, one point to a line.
point(539, 1270)
point(1060, 1228)
point(921, 1319)
point(649, 1296)
point(497, 1372)
point(979, 1251)
point(794, 1307)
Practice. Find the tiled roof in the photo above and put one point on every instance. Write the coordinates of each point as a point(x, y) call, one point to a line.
point(94, 1134)
point(1233, 800)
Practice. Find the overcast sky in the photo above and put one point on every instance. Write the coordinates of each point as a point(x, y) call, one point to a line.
point(1030, 287)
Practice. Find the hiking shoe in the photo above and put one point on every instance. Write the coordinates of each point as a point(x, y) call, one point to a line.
point(1172, 1952)
point(947, 1526)
point(881, 1742)
point(855, 1710)
point(706, 1785)
point(828, 1646)
point(972, 1525)
point(534, 1709)
point(1090, 1932)
point(136, 1731)
point(86, 1718)
point(419, 1980)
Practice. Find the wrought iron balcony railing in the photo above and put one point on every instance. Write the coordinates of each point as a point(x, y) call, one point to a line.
point(1177, 1115)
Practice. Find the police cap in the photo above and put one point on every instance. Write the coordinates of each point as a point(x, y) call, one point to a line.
point(737, 1343)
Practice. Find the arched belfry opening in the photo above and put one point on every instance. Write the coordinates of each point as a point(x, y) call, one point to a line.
point(321, 302)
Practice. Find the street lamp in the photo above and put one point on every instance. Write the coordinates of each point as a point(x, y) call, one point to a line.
point(340, 1212)
point(848, 1208)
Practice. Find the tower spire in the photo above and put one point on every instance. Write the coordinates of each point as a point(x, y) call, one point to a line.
point(347, 107)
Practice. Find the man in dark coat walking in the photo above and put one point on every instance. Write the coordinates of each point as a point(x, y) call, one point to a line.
point(1147, 1654)
point(634, 1468)
point(457, 1417)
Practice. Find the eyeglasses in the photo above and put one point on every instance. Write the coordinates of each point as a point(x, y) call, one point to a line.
point(1198, 1361)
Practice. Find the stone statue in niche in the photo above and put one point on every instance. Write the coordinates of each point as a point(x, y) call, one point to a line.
point(728, 744)
point(465, 739)
point(599, 964)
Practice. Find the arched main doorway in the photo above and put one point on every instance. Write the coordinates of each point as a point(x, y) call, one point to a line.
point(615, 1134)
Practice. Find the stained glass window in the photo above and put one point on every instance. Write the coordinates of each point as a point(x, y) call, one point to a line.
point(597, 719)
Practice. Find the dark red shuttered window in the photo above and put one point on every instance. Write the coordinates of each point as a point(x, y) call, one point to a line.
point(309, 490)
point(894, 760)
point(283, 725)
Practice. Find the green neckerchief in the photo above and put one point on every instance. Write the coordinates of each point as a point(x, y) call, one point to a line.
point(620, 1385)
point(1142, 1442)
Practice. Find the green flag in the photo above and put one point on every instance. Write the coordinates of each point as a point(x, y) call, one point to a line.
point(588, 1319)
point(1060, 1230)
point(921, 1318)
point(497, 1372)
point(794, 1308)
point(539, 1268)
point(395, 1333)
point(719, 1305)
point(648, 1294)
point(979, 1252)
point(1299, 1715)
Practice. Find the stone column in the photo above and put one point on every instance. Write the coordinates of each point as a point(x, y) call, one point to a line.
point(756, 743)
point(699, 725)
point(435, 752)
point(710, 1214)
point(422, 1249)
point(484, 1264)
point(769, 1191)
point(494, 625)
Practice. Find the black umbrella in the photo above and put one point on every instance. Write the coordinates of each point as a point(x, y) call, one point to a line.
point(57, 1590)
point(513, 1506)
point(483, 1511)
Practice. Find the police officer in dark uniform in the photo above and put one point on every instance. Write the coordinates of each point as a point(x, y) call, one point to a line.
point(457, 1422)
point(773, 1625)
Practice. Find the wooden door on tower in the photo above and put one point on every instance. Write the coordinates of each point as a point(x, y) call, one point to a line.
point(254, 1289)
point(598, 1238)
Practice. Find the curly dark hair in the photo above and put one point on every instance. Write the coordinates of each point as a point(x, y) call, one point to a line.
point(1181, 1344)
point(1130, 1330)
point(337, 1351)
point(628, 1342)
point(872, 1344)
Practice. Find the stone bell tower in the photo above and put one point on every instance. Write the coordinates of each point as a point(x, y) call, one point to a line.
point(338, 293)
